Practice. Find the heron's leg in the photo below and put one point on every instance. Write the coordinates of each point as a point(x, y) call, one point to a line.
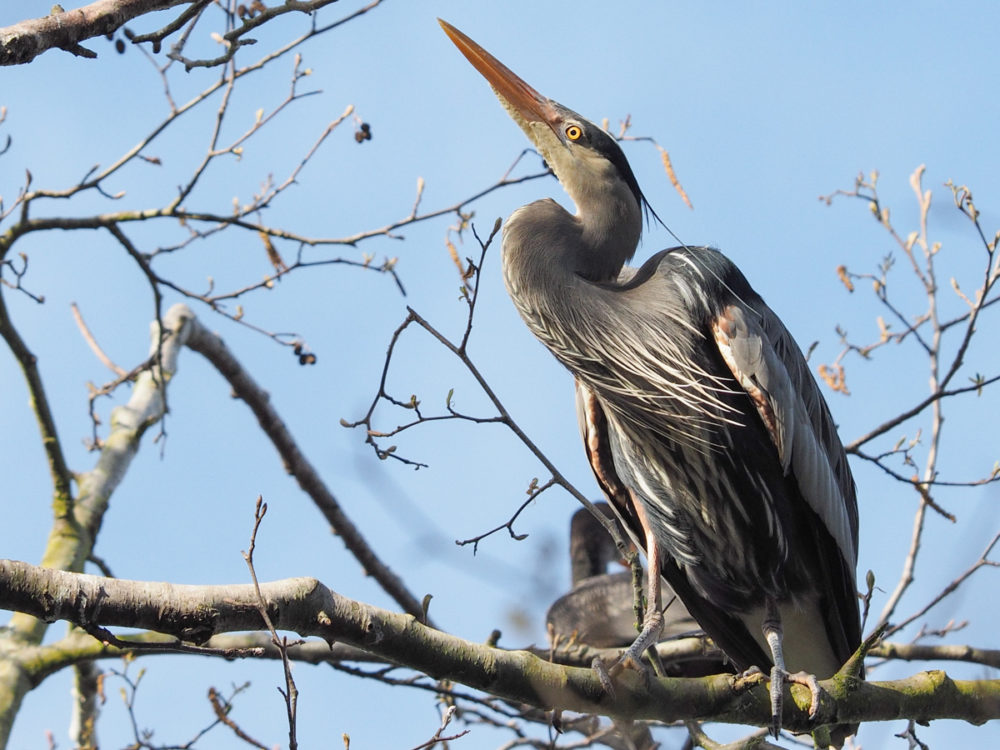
point(780, 675)
point(652, 619)
point(772, 634)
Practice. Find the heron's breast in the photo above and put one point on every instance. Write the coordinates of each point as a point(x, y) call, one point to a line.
point(717, 516)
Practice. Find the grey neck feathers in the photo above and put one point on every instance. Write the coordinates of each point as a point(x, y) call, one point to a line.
point(609, 236)
point(544, 246)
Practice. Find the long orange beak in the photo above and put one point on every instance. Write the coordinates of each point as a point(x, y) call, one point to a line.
point(514, 92)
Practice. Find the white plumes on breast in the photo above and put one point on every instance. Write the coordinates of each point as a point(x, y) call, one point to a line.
point(641, 349)
point(648, 374)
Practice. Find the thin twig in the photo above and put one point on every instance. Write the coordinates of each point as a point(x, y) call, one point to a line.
point(221, 708)
point(502, 416)
point(92, 342)
point(290, 693)
point(982, 562)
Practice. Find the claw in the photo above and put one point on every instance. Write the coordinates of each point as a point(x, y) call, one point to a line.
point(632, 656)
point(748, 679)
point(779, 677)
point(809, 681)
point(777, 686)
point(603, 675)
point(652, 628)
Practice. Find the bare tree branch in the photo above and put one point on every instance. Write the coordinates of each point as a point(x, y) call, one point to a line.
point(305, 606)
point(983, 562)
point(86, 705)
point(24, 41)
point(75, 526)
point(291, 692)
point(929, 330)
point(471, 276)
point(59, 471)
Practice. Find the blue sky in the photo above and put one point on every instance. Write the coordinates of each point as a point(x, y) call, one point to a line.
point(762, 107)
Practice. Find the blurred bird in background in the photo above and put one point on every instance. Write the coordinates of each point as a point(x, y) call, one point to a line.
point(598, 610)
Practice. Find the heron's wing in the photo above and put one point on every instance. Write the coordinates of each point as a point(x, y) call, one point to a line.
point(764, 359)
point(594, 431)
point(767, 363)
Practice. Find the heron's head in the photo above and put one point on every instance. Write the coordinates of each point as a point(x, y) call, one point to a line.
point(585, 159)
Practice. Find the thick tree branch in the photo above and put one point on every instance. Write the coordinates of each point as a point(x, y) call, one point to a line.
point(74, 530)
point(78, 647)
point(62, 494)
point(86, 706)
point(24, 41)
point(75, 527)
point(307, 607)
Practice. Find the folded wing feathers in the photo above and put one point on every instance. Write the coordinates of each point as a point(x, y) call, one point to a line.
point(765, 361)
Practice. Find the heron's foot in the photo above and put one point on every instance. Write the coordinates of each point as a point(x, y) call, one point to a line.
point(603, 675)
point(815, 691)
point(652, 629)
point(751, 678)
point(779, 677)
point(607, 672)
point(632, 657)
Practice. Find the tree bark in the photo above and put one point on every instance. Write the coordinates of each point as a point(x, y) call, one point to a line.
point(307, 607)
point(24, 41)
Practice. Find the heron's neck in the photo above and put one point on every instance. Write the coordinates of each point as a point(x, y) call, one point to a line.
point(551, 259)
point(610, 220)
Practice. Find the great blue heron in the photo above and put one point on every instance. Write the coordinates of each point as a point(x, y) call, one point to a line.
point(700, 417)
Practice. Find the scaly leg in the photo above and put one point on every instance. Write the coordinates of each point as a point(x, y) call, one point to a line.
point(652, 619)
point(779, 675)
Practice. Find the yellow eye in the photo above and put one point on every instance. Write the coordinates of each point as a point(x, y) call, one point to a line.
point(573, 132)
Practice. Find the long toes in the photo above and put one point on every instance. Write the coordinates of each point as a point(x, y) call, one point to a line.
point(632, 658)
point(809, 681)
point(779, 677)
point(604, 676)
point(649, 636)
point(751, 678)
